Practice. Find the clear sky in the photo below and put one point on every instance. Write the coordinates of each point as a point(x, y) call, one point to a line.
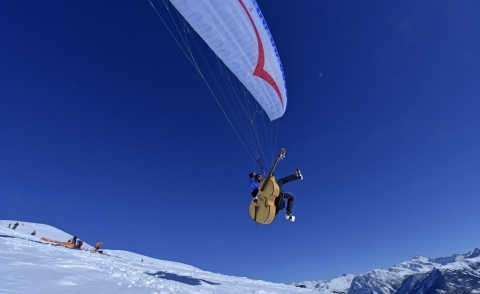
point(107, 132)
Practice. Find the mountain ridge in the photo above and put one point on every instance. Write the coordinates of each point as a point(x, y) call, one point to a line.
point(458, 273)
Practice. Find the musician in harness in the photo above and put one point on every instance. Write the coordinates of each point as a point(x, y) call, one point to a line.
point(255, 180)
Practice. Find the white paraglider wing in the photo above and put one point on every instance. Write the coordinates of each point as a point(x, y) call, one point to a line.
point(238, 34)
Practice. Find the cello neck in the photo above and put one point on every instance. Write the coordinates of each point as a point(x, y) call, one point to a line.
point(270, 174)
point(273, 167)
point(279, 157)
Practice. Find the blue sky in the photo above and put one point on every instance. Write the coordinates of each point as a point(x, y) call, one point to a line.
point(107, 132)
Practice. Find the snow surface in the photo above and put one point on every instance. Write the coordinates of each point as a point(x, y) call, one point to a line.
point(30, 265)
point(339, 284)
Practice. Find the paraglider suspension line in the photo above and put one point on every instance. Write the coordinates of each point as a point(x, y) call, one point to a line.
point(261, 166)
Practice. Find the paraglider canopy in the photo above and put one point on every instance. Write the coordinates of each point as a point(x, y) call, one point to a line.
point(238, 34)
point(243, 73)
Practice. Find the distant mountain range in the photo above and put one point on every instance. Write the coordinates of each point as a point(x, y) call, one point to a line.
point(457, 274)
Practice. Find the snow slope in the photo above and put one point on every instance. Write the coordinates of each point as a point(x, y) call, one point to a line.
point(29, 265)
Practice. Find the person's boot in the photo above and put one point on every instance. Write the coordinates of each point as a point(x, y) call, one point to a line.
point(298, 174)
point(290, 217)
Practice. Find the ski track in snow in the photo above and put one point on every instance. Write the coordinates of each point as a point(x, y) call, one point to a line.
point(29, 265)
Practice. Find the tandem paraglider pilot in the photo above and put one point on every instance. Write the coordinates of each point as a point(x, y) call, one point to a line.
point(255, 180)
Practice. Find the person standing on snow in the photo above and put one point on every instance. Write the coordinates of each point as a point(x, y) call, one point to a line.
point(73, 240)
point(97, 246)
point(15, 226)
point(255, 181)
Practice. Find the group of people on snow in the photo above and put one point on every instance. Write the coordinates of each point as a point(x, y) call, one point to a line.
point(73, 240)
point(16, 225)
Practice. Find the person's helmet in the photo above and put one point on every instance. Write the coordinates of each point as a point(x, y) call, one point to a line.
point(258, 177)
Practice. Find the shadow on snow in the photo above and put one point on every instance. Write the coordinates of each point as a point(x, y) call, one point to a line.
point(182, 279)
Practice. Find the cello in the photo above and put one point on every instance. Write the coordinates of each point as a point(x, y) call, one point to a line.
point(262, 209)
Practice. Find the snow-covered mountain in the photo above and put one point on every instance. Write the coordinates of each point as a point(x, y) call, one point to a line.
point(338, 285)
point(30, 265)
point(457, 274)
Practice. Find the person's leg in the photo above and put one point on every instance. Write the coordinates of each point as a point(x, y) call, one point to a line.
point(287, 179)
point(290, 198)
point(279, 203)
